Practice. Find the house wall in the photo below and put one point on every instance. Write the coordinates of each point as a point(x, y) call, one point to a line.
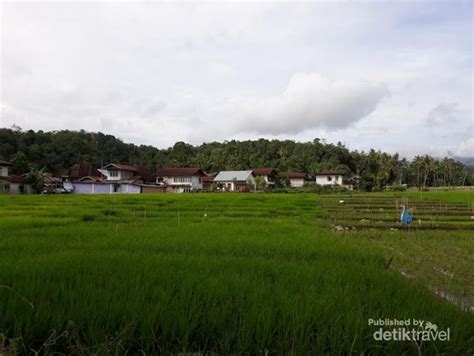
point(91, 188)
point(251, 181)
point(296, 182)
point(131, 189)
point(121, 175)
point(156, 189)
point(323, 180)
point(15, 188)
point(195, 182)
point(82, 188)
point(105, 188)
point(27, 189)
point(240, 186)
point(3, 171)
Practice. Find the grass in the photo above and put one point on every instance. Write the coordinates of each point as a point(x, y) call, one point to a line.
point(210, 273)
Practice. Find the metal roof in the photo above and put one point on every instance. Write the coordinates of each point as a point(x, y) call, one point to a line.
point(122, 167)
point(227, 176)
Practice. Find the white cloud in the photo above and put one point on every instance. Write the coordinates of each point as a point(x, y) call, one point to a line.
point(444, 112)
point(311, 101)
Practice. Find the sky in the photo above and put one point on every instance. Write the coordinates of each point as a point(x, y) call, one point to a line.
point(395, 76)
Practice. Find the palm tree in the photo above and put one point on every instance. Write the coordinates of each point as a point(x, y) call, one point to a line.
point(36, 178)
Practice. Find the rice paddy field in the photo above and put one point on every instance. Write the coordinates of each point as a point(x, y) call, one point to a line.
point(233, 273)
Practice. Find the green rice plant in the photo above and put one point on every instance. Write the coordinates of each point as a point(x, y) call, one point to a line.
point(260, 274)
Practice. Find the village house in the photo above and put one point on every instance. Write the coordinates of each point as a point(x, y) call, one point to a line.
point(83, 178)
point(125, 178)
point(181, 180)
point(124, 173)
point(12, 184)
point(4, 166)
point(113, 178)
point(82, 170)
point(53, 185)
point(329, 177)
point(297, 179)
point(267, 174)
point(235, 181)
point(208, 182)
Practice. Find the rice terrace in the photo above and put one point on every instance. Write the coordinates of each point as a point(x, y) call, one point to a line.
point(232, 273)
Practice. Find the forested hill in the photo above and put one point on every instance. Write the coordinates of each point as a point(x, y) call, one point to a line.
point(57, 150)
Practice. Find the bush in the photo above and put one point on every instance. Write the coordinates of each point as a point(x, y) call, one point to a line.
point(281, 190)
point(312, 187)
point(110, 212)
point(399, 187)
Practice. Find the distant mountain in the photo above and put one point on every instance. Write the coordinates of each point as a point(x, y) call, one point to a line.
point(468, 161)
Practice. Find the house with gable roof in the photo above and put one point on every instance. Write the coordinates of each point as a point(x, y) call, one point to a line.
point(181, 179)
point(235, 181)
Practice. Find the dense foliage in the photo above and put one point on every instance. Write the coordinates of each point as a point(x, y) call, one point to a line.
point(57, 150)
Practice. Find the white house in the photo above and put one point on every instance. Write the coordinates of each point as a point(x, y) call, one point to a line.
point(118, 172)
point(12, 184)
point(180, 180)
point(297, 179)
point(4, 168)
point(235, 181)
point(112, 179)
point(86, 186)
point(268, 175)
point(329, 178)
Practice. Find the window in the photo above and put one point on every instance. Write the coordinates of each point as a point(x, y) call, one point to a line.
point(182, 179)
point(337, 178)
point(6, 188)
point(329, 178)
point(1, 171)
point(113, 173)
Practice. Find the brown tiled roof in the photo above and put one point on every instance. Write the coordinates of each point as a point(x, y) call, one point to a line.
point(328, 173)
point(122, 167)
point(141, 171)
point(208, 179)
point(263, 171)
point(80, 170)
point(145, 174)
point(177, 172)
point(51, 179)
point(296, 175)
point(4, 163)
point(16, 179)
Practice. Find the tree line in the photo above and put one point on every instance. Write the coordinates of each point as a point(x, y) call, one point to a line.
point(58, 150)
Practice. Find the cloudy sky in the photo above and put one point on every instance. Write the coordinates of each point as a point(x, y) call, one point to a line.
point(395, 76)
